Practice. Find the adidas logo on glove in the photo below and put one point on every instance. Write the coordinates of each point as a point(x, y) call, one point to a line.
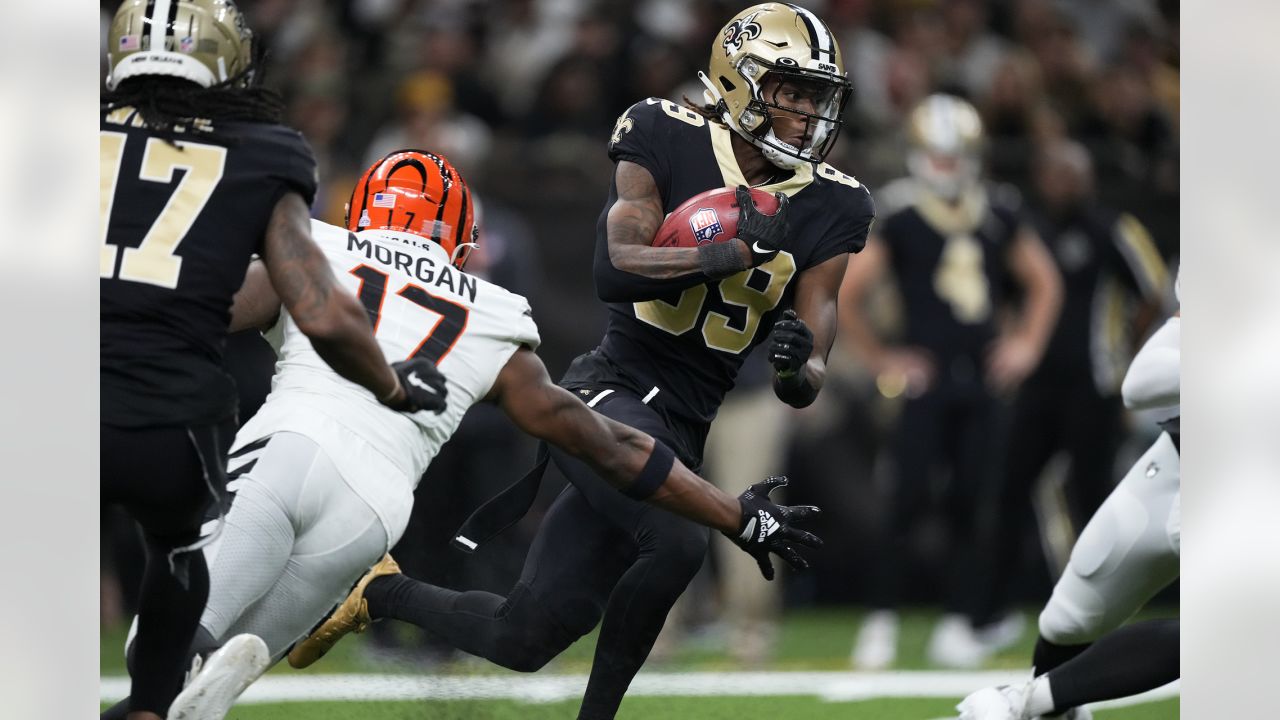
point(768, 525)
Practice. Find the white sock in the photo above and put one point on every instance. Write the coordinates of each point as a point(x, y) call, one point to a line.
point(1039, 697)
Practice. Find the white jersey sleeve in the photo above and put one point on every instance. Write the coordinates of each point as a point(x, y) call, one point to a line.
point(420, 306)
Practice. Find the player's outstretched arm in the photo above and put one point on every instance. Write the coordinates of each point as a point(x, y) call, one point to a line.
point(633, 270)
point(637, 465)
point(334, 321)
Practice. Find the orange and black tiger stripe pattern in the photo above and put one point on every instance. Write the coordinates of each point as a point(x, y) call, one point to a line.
point(417, 192)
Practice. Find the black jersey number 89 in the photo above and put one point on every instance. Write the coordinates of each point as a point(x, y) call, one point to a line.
point(718, 331)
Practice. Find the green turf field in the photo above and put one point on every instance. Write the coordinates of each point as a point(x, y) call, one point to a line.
point(810, 641)
point(655, 709)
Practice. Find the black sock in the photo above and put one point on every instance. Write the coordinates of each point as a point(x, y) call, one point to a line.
point(512, 632)
point(1131, 660)
point(1048, 656)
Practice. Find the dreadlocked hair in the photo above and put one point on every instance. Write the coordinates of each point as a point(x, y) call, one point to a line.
point(707, 111)
point(167, 102)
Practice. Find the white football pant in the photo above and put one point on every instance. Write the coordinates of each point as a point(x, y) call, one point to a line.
point(1127, 553)
point(295, 541)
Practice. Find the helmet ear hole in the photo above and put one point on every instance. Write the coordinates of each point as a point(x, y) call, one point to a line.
point(728, 84)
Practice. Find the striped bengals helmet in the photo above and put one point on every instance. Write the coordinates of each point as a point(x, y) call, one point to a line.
point(418, 192)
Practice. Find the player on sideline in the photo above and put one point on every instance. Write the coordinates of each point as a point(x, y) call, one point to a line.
point(681, 322)
point(324, 480)
point(197, 175)
point(1127, 553)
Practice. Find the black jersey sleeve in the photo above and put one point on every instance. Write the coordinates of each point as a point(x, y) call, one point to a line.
point(646, 135)
point(286, 158)
point(640, 136)
point(852, 214)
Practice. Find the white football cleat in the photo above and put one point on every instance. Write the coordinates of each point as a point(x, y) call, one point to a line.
point(221, 679)
point(877, 645)
point(1006, 702)
point(955, 645)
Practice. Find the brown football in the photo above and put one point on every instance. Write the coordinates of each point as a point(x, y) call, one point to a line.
point(709, 217)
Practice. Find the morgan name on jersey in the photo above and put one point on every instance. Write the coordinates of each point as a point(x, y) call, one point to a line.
point(419, 306)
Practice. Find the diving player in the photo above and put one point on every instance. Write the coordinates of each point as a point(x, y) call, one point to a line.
point(1128, 552)
point(681, 321)
point(324, 480)
point(197, 174)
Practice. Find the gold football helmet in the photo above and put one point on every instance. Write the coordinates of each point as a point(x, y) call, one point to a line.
point(946, 145)
point(794, 47)
point(204, 41)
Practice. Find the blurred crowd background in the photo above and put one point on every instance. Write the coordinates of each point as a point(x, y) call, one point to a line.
point(522, 95)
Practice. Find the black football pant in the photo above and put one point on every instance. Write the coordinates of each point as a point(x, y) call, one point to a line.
point(165, 478)
point(598, 554)
point(954, 432)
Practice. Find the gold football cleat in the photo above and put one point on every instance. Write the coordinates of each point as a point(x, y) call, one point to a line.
point(351, 616)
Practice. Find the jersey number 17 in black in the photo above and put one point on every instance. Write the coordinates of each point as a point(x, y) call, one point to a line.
point(442, 336)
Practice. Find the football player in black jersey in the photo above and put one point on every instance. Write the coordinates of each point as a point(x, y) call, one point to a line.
point(954, 246)
point(198, 175)
point(681, 322)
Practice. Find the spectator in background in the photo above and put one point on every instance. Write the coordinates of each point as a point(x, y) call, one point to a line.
point(1115, 282)
point(867, 53)
point(954, 246)
point(973, 52)
point(1066, 67)
point(525, 38)
point(428, 118)
point(1017, 118)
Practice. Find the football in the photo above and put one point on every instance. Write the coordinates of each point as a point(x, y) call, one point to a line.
point(709, 217)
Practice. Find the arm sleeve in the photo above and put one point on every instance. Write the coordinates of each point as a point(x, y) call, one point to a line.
point(1153, 380)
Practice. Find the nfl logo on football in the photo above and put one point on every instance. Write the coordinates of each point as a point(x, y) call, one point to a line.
point(706, 225)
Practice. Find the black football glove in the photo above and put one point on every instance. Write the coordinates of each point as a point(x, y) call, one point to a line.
point(767, 528)
point(424, 386)
point(790, 344)
point(764, 234)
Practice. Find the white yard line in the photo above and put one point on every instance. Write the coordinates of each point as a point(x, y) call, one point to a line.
point(830, 686)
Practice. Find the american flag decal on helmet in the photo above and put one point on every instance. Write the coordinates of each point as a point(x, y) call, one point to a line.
point(706, 225)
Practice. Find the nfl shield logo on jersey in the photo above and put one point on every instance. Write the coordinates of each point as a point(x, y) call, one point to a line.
point(706, 225)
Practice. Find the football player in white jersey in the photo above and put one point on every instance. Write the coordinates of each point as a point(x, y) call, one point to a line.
point(324, 482)
point(1127, 553)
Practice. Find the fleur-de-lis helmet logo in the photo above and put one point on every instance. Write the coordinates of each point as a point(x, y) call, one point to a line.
point(739, 31)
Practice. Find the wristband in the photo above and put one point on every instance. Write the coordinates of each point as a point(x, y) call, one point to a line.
point(654, 473)
point(720, 260)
